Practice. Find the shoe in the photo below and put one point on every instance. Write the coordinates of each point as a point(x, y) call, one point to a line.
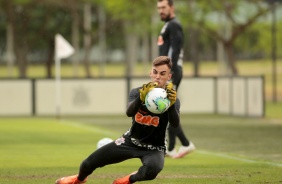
point(171, 153)
point(70, 180)
point(184, 150)
point(124, 180)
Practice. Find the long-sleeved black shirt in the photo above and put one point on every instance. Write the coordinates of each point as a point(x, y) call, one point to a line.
point(147, 127)
point(171, 41)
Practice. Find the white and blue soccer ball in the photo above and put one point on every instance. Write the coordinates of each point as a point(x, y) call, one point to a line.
point(103, 142)
point(156, 101)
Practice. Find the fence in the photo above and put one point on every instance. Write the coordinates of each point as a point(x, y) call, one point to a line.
point(240, 96)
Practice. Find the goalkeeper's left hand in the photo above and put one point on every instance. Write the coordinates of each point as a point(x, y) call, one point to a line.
point(171, 93)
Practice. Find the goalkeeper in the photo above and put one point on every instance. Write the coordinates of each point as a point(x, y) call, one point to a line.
point(146, 137)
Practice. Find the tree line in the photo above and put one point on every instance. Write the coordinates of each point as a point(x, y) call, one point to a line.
point(224, 30)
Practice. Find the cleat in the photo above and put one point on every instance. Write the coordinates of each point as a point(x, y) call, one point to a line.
point(124, 180)
point(171, 153)
point(184, 150)
point(70, 180)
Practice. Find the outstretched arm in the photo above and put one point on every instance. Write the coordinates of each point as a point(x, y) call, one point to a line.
point(173, 111)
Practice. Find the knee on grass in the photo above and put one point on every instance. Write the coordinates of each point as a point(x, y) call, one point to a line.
point(151, 172)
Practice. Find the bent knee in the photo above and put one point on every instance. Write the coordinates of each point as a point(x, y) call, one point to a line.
point(152, 172)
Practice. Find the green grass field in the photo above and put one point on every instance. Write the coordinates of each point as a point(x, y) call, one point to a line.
point(229, 150)
point(36, 150)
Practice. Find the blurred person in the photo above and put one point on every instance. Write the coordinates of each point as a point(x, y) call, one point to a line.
point(170, 42)
point(146, 137)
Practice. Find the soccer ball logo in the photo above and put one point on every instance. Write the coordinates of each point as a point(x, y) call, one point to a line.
point(103, 142)
point(156, 101)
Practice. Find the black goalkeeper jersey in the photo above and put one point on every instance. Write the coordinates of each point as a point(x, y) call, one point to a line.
point(147, 127)
point(170, 43)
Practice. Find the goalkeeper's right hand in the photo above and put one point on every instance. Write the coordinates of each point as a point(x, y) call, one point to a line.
point(171, 93)
point(145, 89)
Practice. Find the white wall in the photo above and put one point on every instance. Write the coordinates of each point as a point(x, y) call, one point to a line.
point(197, 95)
point(15, 97)
point(82, 97)
point(241, 96)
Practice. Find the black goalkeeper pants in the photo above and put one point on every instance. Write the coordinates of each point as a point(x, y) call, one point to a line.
point(152, 160)
point(174, 132)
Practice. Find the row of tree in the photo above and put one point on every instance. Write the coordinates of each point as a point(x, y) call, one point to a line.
point(219, 30)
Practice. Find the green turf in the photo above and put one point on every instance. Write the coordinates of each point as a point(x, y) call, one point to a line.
point(273, 110)
point(229, 150)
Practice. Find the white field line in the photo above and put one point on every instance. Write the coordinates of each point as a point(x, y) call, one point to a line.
point(238, 158)
point(97, 130)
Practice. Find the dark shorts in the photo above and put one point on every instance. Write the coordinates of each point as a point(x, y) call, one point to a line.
point(123, 149)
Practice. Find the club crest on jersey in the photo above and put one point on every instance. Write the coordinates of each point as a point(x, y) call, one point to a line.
point(147, 120)
point(120, 141)
point(160, 40)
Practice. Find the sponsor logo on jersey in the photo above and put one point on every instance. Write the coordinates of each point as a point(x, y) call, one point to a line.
point(147, 120)
point(120, 141)
point(160, 40)
point(148, 146)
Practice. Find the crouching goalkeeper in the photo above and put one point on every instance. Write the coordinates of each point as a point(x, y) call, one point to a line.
point(146, 137)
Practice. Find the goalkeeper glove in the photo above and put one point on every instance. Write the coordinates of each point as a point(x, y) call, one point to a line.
point(171, 93)
point(145, 89)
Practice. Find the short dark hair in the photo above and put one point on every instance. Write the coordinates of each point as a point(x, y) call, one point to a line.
point(163, 60)
point(170, 2)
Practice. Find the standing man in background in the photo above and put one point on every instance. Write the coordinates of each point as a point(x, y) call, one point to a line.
point(170, 44)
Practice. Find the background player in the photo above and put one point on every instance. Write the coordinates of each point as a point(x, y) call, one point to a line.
point(146, 137)
point(170, 44)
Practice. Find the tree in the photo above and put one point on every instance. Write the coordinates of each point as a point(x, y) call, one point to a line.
point(33, 29)
point(10, 55)
point(135, 17)
point(238, 14)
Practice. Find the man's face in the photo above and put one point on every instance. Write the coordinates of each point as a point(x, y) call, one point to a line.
point(160, 74)
point(164, 10)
